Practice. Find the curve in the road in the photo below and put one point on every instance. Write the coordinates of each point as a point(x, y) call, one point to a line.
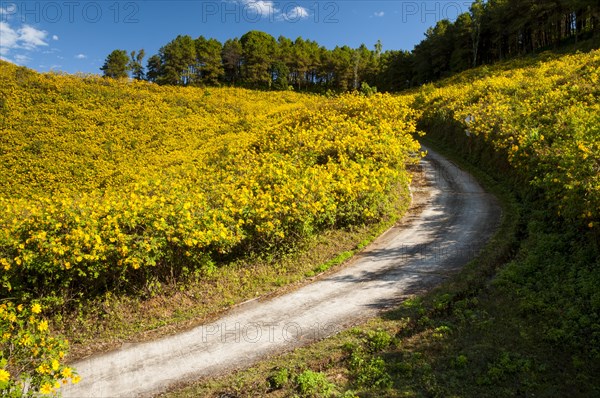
point(456, 220)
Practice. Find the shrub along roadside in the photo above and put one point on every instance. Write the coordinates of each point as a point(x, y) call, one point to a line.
point(106, 323)
point(29, 351)
point(548, 150)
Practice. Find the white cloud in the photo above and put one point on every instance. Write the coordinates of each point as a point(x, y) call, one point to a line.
point(8, 11)
point(296, 14)
point(30, 37)
point(51, 50)
point(267, 9)
point(81, 56)
point(22, 59)
point(379, 14)
point(8, 38)
point(55, 37)
point(264, 8)
point(26, 38)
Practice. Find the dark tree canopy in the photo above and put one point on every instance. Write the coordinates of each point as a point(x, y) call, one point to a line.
point(116, 64)
point(135, 64)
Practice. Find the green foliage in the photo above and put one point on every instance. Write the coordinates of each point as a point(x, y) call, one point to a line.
point(135, 64)
point(506, 366)
point(279, 379)
point(116, 64)
point(258, 50)
point(209, 69)
point(533, 126)
point(280, 72)
point(461, 361)
point(568, 313)
point(314, 384)
point(367, 90)
point(154, 68)
point(232, 55)
point(378, 340)
point(369, 371)
point(178, 60)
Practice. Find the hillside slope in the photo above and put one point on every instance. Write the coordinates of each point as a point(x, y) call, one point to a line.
point(523, 319)
point(119, 196)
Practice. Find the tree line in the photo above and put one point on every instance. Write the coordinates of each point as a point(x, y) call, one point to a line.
point(491, 31)
point(256, 60)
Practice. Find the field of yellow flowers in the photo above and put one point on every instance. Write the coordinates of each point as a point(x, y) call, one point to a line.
point(105, 182)
point(542, 120)
point(522, 319)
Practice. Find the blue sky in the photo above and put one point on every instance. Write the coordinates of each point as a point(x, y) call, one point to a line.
point(77, 35)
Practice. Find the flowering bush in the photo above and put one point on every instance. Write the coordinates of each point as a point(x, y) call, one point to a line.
point(31, 360)
point(108, 183)
point(544, 120)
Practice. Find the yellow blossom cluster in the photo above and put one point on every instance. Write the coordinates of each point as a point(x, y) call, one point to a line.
point(109, 182)
point(544, 118)
point(31, 360)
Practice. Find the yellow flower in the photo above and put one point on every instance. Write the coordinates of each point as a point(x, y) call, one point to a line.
point(76, 379)
point(66, 372)
point(55, 365)
point(36, 308)
point(4, 376)
point(46, 388)
point(43, 326)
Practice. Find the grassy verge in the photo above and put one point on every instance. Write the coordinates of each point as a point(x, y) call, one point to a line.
point(422, 348)
point(162, 309)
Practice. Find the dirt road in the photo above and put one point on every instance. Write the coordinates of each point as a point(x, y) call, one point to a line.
point(452, 218)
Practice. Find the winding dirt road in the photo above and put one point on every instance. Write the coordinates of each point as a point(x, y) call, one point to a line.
point(451, 219)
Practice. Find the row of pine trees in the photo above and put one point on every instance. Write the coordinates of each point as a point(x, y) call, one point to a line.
point(491, 31)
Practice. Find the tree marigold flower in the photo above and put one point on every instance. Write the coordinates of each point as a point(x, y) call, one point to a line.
point(4, 376)
point(43, 326)
point(46, 388)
